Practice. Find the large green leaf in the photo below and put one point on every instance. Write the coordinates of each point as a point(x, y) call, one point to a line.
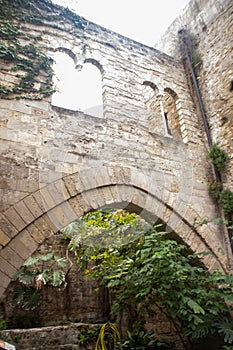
point(27, 277)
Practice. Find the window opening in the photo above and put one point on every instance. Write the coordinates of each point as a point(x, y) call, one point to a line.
point(231, 86)
point(167, 125)
point(77, 90)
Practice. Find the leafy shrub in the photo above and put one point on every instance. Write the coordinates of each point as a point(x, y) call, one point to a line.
point(218, 157)
point(226, 201)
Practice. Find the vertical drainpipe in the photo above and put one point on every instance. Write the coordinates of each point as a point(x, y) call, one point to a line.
point(184, 38)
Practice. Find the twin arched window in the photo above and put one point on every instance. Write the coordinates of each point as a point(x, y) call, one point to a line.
point(77, 89)
point(81, 90)
point(163, 115)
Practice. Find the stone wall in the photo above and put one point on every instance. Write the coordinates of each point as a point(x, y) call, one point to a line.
point(59, 337)
point(57, 164)
point(210, 23)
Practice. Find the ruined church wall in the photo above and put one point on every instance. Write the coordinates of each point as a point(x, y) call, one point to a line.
point(41, 144)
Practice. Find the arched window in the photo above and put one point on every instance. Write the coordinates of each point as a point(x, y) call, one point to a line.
point(153, 107)
point(77, 90)
point(171, 115)
point(163, 116)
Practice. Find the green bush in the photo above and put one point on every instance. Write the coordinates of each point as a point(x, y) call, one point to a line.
point(226, 201)
point(218, 157)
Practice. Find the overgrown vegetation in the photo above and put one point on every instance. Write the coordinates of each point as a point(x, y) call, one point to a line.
point(153, 273)
point(28, 70)
point(146, 273)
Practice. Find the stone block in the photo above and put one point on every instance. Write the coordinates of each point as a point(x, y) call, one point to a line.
point(4, 239)
point(24, 244)
point(4, 280)
point(62, 215)
point(7, 268)
point(24, 212)
point(36, 233)
point(7, 227)
point(45, 226)
point(71, 182)
point(39, 200)
point(12, 257)
point(33, 206)
point(77, 205)
point(14, 218)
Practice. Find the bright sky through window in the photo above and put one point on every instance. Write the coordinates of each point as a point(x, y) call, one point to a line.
point(77, 90)
point(143, 21)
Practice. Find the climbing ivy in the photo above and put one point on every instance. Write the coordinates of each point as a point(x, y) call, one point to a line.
point(20, 47)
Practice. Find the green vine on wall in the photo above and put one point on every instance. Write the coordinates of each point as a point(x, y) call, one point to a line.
point(20, 49)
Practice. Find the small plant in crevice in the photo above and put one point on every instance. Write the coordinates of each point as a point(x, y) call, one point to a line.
point(226, 202)
point(224, 198)
point(195, 58)
point(218, 157)
point(215, 189)
point(88, 336)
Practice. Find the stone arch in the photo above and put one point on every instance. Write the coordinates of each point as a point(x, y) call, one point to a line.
point(85, 92)
point(26, 224)
point(95, 63)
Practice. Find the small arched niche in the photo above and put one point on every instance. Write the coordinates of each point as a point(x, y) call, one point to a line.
point(152, 103)
point(79, 90)
point(171, 116)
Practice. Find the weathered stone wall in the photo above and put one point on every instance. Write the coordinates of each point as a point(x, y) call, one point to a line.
point(59, 337)
point(210, 23)
point(58, 164)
